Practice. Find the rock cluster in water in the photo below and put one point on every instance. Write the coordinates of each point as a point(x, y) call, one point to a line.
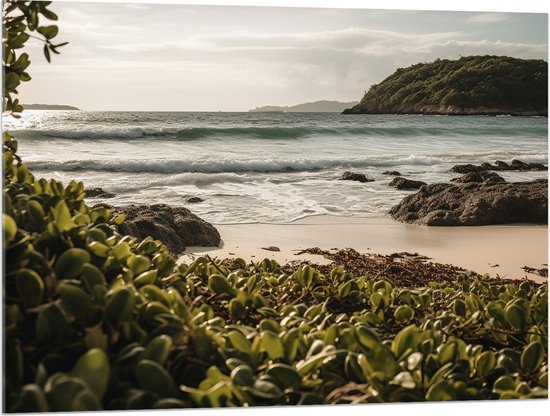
point(482, 176)
point(404, 183)
point(353, 176)
point(195, 200)
point(515, 165)
point(98, 193)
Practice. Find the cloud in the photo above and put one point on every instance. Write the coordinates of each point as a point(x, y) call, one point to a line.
point(488, 18)
point(238, 58)
point(333, 61)
point(137, 6)
point(345, 39)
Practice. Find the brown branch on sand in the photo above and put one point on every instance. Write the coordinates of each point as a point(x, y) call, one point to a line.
point(539, 272)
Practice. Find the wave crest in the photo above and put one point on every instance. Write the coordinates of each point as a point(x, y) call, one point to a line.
point(272, 132)
point(173, 166)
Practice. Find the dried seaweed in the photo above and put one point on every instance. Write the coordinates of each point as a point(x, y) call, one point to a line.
point(403, 269)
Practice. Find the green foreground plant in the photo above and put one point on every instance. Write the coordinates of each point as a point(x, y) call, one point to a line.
point(97, 320)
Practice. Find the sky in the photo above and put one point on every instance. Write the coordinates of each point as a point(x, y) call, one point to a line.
point(178, 57)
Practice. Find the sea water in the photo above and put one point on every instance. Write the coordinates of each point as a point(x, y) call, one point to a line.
point(267, 167)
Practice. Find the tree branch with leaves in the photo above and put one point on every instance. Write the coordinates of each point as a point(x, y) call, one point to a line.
point(22, 20)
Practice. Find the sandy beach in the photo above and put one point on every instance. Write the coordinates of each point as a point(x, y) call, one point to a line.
point(496, 249)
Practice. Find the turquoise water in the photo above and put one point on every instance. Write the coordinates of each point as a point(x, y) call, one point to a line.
point(268, 167)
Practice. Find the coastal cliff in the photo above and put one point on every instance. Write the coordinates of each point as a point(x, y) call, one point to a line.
point(473, 85)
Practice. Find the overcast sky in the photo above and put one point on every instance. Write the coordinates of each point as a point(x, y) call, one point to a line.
point(210, 58)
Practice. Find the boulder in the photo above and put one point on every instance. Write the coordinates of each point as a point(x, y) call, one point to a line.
point(519, 165)
point(476, 204)
point(353, 176)
point(98, 193)
point(467, 168)
point(487, 177)
point(391, 173)
point(176, 227)
point(500, 165)
point(404, 183)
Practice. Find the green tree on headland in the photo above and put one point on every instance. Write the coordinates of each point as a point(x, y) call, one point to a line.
point(469, 85)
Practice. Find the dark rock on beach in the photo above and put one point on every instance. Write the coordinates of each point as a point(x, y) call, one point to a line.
point(391, 173)
point(515, 165)
point(271, 248)
point(353, 176)
point(176, 227)
point(474, 203)
point(483, 176)
point(404, 183)
point(98, 193)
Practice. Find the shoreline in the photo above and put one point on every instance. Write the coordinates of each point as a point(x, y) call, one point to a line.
point(492, 249)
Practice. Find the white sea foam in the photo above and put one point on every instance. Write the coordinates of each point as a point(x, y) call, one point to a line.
point(268, 167)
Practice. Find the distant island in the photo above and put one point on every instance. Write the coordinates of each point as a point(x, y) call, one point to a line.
point(49, 107)
point(473, 85)
point(315, 107)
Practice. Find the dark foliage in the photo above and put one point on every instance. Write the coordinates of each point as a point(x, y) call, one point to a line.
point(469, 85)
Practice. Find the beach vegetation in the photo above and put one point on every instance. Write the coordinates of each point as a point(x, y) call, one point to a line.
point(112, 322)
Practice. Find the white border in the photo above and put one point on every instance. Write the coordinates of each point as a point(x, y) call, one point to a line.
point(498, 408)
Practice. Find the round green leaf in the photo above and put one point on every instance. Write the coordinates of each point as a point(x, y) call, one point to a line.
point(485, 363)
point(284, 375)
point(532, 357)
point(9, 227)
point(30, 287)
point(138, 264)
point(367, 337)
point(69, 264)
point(236, 309)
point(404, 313)
point(75, 299)
point(243, 376)
point(99, 249)
point(146, 278)
point(85, 401)
point(459, 307)
point(120, 305)
point(239, 341)
point(515, 315)
point(93, 367)
point(32, 399)
point(158, 349)
point(92, 276)
point(219, 284)
point(272, 345)
point(152, 377)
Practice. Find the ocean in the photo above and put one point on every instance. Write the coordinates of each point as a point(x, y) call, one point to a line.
point(267, 167)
